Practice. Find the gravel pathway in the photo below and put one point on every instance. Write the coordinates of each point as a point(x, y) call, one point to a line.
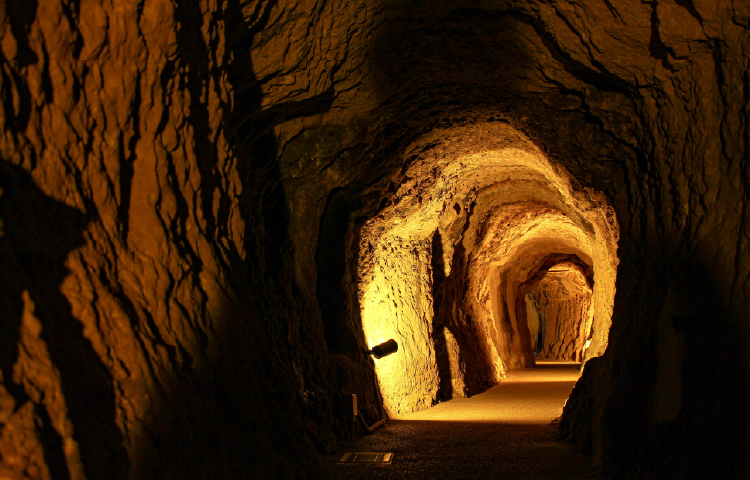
point(503, 433)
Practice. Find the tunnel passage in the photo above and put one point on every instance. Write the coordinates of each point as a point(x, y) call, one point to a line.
point(445, 268)
point(203, 141)
point(556, 305)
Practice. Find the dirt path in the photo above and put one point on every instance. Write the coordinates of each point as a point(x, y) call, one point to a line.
point(503, 433)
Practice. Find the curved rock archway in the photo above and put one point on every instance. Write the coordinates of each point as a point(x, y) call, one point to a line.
point(441, 266)
point(555, 302)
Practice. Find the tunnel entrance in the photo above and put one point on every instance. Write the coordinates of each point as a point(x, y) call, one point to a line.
point(487, 255)
point(555, 304)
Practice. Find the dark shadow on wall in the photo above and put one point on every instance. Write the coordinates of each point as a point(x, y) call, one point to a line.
point(330, 258)
point(353, 372)
point(350, 371)
point(38, 233)
point(297, 348)
point(484, 69)
point(256, 403)
point(712, 428)
point(680, 348)
point(442, 357)
point(709, 435)
point(474, 356)
point(282, 378)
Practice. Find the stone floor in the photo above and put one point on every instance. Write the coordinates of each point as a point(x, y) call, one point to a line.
point(503, 433)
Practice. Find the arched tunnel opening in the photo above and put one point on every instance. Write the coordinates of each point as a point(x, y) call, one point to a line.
point(211, 212)
point(471, 241)
point(556, 305)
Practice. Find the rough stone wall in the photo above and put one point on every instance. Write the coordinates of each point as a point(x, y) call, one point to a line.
point(397, 303)
point(135, 341)
point(564, 338)
point(179, 161)
point(662, 405)
point(556, 302)
point(564, 304)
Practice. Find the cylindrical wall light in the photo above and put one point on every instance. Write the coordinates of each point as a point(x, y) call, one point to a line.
point(384, 349)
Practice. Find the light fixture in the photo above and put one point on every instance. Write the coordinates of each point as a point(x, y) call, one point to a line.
point(384, 349)
point(378, 351)
point(558, 269)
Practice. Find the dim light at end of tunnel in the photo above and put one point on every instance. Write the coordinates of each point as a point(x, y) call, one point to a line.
point(548, 379)
point(552, 362)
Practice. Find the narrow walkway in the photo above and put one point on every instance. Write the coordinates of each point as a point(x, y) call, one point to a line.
point(503, 433)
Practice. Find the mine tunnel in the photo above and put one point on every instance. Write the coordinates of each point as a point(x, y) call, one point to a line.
point(446, 268)
point(211, 213)
point(556, 305)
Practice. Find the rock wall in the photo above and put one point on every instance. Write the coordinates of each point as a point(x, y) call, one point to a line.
point(565, 335)
point(173, 177)
point(149, 329)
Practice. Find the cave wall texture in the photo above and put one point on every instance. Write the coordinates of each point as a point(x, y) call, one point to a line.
point(480, 212)
point(186, 186)
point(558, 311)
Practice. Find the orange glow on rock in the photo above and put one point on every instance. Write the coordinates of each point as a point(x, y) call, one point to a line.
point(440, 267)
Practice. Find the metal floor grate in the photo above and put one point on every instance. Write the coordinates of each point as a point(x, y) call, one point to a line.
point(367, 457)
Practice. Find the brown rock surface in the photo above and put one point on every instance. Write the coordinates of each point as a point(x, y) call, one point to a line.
point(198, 199)
point(493, 208)
point(556, 303)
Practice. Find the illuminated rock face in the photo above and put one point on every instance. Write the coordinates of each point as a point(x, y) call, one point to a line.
point(210, 209)
point(556, 303)
point(441, 267)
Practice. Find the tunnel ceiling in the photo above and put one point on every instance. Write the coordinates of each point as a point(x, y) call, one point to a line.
point(182, 183)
